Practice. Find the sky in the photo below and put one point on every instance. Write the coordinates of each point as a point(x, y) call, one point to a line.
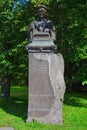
point(22, 2)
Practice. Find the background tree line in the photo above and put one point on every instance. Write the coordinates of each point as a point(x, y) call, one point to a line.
point(70, 20)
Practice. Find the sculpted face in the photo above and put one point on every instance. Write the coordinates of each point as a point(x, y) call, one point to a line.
point(41, 12)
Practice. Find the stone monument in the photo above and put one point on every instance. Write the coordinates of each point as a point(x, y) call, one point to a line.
point(46, 72)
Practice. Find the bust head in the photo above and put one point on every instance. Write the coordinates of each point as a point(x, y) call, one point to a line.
point(42, 10)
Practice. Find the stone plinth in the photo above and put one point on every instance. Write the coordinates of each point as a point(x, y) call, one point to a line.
point(46, 87)
point(41, 43)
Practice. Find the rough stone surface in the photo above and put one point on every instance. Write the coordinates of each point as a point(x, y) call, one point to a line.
point(46, 87)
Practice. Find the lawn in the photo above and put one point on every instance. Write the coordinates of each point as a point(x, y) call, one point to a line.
point(13, 112)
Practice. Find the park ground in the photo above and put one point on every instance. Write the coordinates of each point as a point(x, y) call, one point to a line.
point(13, 112)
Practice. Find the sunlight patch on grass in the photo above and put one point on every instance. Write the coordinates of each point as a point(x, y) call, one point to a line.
point(18, 101)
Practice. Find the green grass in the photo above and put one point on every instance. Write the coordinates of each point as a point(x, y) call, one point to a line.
point(13, 112)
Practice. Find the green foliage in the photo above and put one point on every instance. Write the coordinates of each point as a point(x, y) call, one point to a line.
point(39, 2)
point(70, 20)
point(13, 39)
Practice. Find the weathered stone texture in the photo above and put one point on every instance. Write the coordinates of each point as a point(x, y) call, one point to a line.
point(46, 87)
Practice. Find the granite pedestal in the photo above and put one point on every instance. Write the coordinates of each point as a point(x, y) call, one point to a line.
point(46, 85)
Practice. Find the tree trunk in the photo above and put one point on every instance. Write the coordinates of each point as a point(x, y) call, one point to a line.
point(5, 87)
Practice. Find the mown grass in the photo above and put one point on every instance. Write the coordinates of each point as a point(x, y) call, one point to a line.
point(13, 112)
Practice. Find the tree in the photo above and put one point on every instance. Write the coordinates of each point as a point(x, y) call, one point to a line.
point(13, 39)
point(72, 36)
point(69, 18)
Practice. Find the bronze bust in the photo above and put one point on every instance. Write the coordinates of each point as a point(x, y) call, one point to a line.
point(41, 24)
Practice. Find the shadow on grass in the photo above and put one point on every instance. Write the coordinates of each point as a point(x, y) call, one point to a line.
point(18, 105)
point(76, 99)
point(15, 105)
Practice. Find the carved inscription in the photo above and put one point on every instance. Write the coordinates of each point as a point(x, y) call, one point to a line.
point(40, 65)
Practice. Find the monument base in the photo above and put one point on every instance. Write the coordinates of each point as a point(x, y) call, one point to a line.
point(46, 87)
